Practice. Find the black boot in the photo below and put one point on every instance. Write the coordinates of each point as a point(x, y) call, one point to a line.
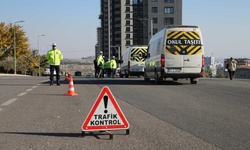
point(58, 83)
point(51, 82)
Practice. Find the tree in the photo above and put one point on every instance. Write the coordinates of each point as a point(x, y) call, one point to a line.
point(30, 62)
point(7, 41)
point(208, 72)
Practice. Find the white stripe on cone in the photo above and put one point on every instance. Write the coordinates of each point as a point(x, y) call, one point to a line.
point(70, 83)
point(71, 89)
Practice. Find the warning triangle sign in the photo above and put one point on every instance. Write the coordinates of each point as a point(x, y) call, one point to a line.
point(105, 114)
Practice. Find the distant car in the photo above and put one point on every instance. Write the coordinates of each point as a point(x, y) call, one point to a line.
point(78, 73)
point(47, 71)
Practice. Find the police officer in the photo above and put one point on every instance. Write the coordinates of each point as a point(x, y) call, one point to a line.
point(96, 67)
point(54, 56)
point(113, 66)
point(108, 68)
point(100, 63)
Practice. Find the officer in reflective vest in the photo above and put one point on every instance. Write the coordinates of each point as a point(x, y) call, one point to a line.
point(107, 64)
point(113, 66)
point(100, 64)
point(54, 56)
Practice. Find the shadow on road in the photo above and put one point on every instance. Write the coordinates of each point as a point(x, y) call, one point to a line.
point(73, 135)
point(108, 81)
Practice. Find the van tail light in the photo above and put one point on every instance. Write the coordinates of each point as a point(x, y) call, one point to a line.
point(45, 69)
point(183, 27)
point(162, 60)
point(203, 62)
point(128, 64)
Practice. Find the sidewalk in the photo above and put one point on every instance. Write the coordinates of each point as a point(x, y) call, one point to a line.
point(5, 74)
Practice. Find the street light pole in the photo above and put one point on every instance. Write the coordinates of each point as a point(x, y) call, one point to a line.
point(38, 52)
point(15, 44)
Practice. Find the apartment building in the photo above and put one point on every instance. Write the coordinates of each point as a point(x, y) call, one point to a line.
point(98, 46)
point(132, 22)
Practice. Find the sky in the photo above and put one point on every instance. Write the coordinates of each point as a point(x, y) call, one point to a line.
point(225, 24)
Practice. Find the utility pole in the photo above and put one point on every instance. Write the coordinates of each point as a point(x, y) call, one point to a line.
point(119, 52)
point(151, 26)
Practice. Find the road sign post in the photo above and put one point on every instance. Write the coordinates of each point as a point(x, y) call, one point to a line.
point(105, 115)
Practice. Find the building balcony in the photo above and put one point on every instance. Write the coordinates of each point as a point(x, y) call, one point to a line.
point(129, 38)
point(117, 39)
point(117, 19)
point(117, 32)
point(117, 25)
point(128, 31)
point(117, 5)
point(130, 18)
point(128, 4)
point(128, 11)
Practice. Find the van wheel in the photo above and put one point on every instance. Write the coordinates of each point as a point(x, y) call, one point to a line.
point(145, 77)
point(157, 80)
point(194, 80)
point(126, 75)
point(121, 76)
point(175, 79)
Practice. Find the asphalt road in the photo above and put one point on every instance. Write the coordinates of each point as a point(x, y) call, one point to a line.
point(214, 114)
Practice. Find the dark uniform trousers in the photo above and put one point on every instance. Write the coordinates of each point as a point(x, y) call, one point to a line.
point(52, 72)
point(113, 73)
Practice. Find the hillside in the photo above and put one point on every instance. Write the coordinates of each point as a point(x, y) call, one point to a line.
point(85, 65)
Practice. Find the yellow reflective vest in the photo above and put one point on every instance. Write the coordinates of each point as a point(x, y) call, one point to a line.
point(100, 60)
point(113, 64)
point(54, 57)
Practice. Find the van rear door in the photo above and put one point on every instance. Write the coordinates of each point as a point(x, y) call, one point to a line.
point(193, 57)
point(137, 61)
point(173, 53)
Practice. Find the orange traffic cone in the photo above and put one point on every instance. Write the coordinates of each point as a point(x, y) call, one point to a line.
point(67, 77)
point(71, 91)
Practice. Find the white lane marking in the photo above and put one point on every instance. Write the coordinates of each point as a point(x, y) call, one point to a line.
point(9, 102)
point(39, 84)
point(34, 87)
point(6, 78)
point(22, 94)
point(29, 90)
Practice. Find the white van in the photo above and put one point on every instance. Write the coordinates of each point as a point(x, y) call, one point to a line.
point(133, 61)
point(47, 71)
point(175, 52)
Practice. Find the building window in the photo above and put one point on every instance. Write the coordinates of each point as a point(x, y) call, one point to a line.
point(169, 21)
point(135, 1)
point(127, 42)
point(128, 22)
point(127, 35)
point(127, 28)
point(127, 1)
point(128, 16)
point(155, 20)
point(127, 8)
point(154, 0)
point(169, 10)
point(154, 31)
point(154, 9)
point(169, 1)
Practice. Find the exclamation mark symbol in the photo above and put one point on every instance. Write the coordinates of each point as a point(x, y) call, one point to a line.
point(105, 103)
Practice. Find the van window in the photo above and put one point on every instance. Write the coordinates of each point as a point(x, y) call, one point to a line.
point(183, 43)
point(137, 54)
point(155, 47)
